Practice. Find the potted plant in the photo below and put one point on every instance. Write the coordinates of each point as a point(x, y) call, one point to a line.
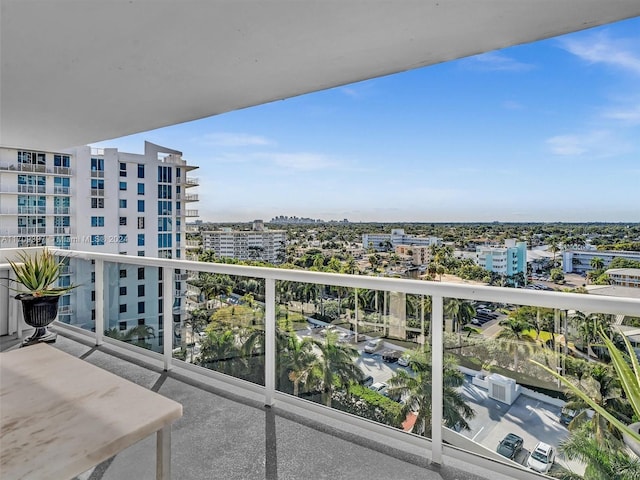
point(39, 296)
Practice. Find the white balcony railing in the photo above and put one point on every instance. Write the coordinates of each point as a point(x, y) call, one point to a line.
point(104, 265)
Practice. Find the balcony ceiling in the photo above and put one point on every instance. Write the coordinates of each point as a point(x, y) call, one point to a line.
point(76, 72)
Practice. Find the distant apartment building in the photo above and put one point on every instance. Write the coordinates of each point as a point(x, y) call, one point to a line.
point(256, 244)
point(624, 277)
point(579, 261)
point(509, 259)
point(101, 201)
point(382, 242)
point(420, 255)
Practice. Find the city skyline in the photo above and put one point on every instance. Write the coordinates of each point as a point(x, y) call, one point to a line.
point(548, 131)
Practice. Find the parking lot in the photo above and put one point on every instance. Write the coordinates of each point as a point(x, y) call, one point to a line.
point(531, 419)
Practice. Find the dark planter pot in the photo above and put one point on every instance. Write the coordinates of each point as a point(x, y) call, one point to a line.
point(39, 312)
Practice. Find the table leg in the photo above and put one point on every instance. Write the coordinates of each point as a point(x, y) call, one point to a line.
point(163, 453)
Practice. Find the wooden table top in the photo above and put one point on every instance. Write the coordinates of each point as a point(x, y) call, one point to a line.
point(60, 415)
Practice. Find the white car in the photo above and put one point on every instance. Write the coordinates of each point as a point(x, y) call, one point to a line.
point(372, 346)
point(403, 361)
point(378, 387)
point(541, 458)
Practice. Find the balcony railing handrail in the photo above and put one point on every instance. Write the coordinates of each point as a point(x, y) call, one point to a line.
point(518, 296)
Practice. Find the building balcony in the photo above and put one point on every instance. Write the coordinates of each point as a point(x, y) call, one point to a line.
point(21, 167)
point(243, 439)
point(193, 197)
point(190, 213)
point(191, 182)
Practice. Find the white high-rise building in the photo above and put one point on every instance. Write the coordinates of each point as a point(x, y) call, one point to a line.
point(382, 242)
point(106, 201)
point(256, 244)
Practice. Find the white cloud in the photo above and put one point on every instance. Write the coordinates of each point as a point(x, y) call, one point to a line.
point(568, 145)
point(630, 115)
point(495, 61)
point(231, 139)
point(601, 49)
point(512, 105)
point(595, 144)
point(300, 161)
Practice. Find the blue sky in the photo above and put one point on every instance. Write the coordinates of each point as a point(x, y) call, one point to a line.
point(548, 131)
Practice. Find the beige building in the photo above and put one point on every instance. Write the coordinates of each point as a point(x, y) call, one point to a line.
point(625, 277)
point(419, 254)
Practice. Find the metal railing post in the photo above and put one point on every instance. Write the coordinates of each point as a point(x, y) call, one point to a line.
point(437, 364)
point(100, 300)
point(270, 341)
point(167, 317)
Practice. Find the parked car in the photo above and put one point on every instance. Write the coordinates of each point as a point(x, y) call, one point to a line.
point(327, 329)
point(378, 386)
point(510, 445)
point(403, 361)
point(373, 346)
point(391, 356)
point(367, 381)
point(359, 337)
point(541, 458)
point(566, 415)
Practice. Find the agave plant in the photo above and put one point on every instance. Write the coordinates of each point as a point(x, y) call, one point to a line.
point(629, 375)
point(38, 273)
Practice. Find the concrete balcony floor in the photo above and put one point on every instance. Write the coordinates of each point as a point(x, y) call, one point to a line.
point(224, 435)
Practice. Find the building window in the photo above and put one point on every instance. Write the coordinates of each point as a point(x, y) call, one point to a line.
point(93, 295)
point(122, 325)
point(164, 191)
point(97, 203)
point(123, 221)
point(93, 277)
point(140, 171)
point(97, 183)
point(140, 222)
point(141, 322)
point(97, 221)
point(140, 273)
point(93, 314)
point(123, 308)
point(123, 169)
point(97, 164)
point(123, 290)
point(123, 239)
point(140, 307)
point(141, 290)
point(123, 185)
point(61, 161)
point(141, 253)
point(164, 174)
point(141, 206)
point(141, 239)
point(140, 188)
point(123, 273)
point(97, 240)
point(123, 203)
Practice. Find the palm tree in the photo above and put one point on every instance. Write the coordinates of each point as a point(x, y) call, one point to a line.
point(300, 361)
point(512, 333)
point(461, 312)
point(600, 464)
point(416, 388)
point(605, 392)
point(597, 263)
point(220, 351)
point(336, 365)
